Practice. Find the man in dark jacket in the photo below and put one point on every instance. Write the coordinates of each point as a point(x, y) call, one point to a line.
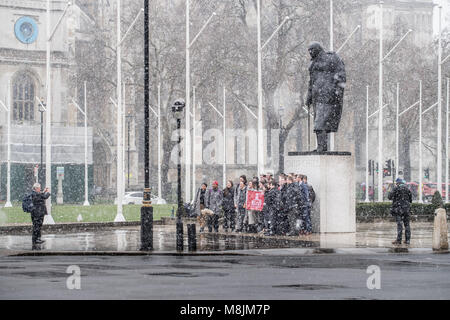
point(282, 216)
point(326, 92)
point(401, 203)
point(306, 227)
point(272, 206)
point(213, 201)
point(38, 212)
point(294, 205)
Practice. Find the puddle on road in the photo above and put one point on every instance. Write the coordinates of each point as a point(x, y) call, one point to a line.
point(310, 286)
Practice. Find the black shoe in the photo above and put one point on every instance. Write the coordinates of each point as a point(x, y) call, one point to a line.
point(39, 241)
point(396, 242)
point(407, 243)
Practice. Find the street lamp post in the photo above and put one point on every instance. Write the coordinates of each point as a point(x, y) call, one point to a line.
point(280, 142)
point(260, 148)
point(193, 143)
point(86, 173)
point(41, 111)
point(177, 109)
point(439, 125)
point(159, 142)
point(222, 115)
point(8, 160)
point(420, 144)
point(367, 145)
point(146, 209)
point(382, 57)
point(48, 219)
point(86, 169)
point(128, 148)
point(187, 151)
point(397, 126)
point(446, 144)
point(119, 176)
point(380, 105)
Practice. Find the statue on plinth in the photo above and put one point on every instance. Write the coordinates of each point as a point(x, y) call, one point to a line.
point(326, 92)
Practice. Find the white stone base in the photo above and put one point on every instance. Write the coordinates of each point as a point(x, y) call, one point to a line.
point(332, 177)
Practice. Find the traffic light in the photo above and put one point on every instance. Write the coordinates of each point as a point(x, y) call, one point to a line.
point(370, 167)
point(427, 173)
point(387, 171)
point(378, 171)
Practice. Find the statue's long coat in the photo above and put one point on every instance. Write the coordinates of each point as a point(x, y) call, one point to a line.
point(326, 90)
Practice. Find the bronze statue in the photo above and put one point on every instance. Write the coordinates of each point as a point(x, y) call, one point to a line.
point(326, 92)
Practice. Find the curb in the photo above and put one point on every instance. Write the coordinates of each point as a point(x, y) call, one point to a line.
point(290, 252)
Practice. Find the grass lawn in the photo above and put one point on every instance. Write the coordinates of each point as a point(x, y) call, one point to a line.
point(93, 213)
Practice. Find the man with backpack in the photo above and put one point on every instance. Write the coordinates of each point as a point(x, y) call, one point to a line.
point(34, 203)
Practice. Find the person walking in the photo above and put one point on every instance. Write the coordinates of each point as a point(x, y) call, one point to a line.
point(401, 204)
point(240, 198)
point(38, 212)
point(213, 202)
point(199, 206)
point(228, 207)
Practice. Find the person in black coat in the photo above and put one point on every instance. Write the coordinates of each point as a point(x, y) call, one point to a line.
point(294, 204)
point(326, 92)
point(282, 216)
point(38, 212)
point(228, 207)
point(401, 204)
point(272, 206)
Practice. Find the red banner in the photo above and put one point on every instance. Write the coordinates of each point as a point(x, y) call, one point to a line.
point(255, 200)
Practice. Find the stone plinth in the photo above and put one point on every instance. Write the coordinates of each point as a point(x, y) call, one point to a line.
point(332, 176)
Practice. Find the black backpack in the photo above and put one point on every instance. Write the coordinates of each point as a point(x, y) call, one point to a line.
point(27, 203)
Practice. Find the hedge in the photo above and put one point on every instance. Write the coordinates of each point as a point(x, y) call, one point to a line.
point(382, 211)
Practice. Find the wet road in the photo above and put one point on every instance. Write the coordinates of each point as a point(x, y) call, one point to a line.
point(227, 277)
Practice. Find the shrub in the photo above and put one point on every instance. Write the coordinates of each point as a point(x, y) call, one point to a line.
point(366, 212)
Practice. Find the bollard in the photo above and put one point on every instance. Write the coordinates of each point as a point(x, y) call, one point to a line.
point(440, 231)
point(179, 235)
point(192, 238)
point(146, 228)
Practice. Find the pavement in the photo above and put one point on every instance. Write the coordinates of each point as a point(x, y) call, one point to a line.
point(370, 237)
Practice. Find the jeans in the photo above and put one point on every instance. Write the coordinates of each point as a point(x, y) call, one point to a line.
point(230, 218)
point(37, 224)
point(240, 219)
point(213, 221)
point(306, 219)
point(403, 219)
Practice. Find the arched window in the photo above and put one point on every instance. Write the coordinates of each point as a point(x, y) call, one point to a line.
point(23, 98)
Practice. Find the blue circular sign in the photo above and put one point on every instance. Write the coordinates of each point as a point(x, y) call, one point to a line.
point(26, 30)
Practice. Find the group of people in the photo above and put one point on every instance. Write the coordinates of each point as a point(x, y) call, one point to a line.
point(286, 209)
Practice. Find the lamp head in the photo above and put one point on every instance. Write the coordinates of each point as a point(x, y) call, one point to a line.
point(178, 108)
